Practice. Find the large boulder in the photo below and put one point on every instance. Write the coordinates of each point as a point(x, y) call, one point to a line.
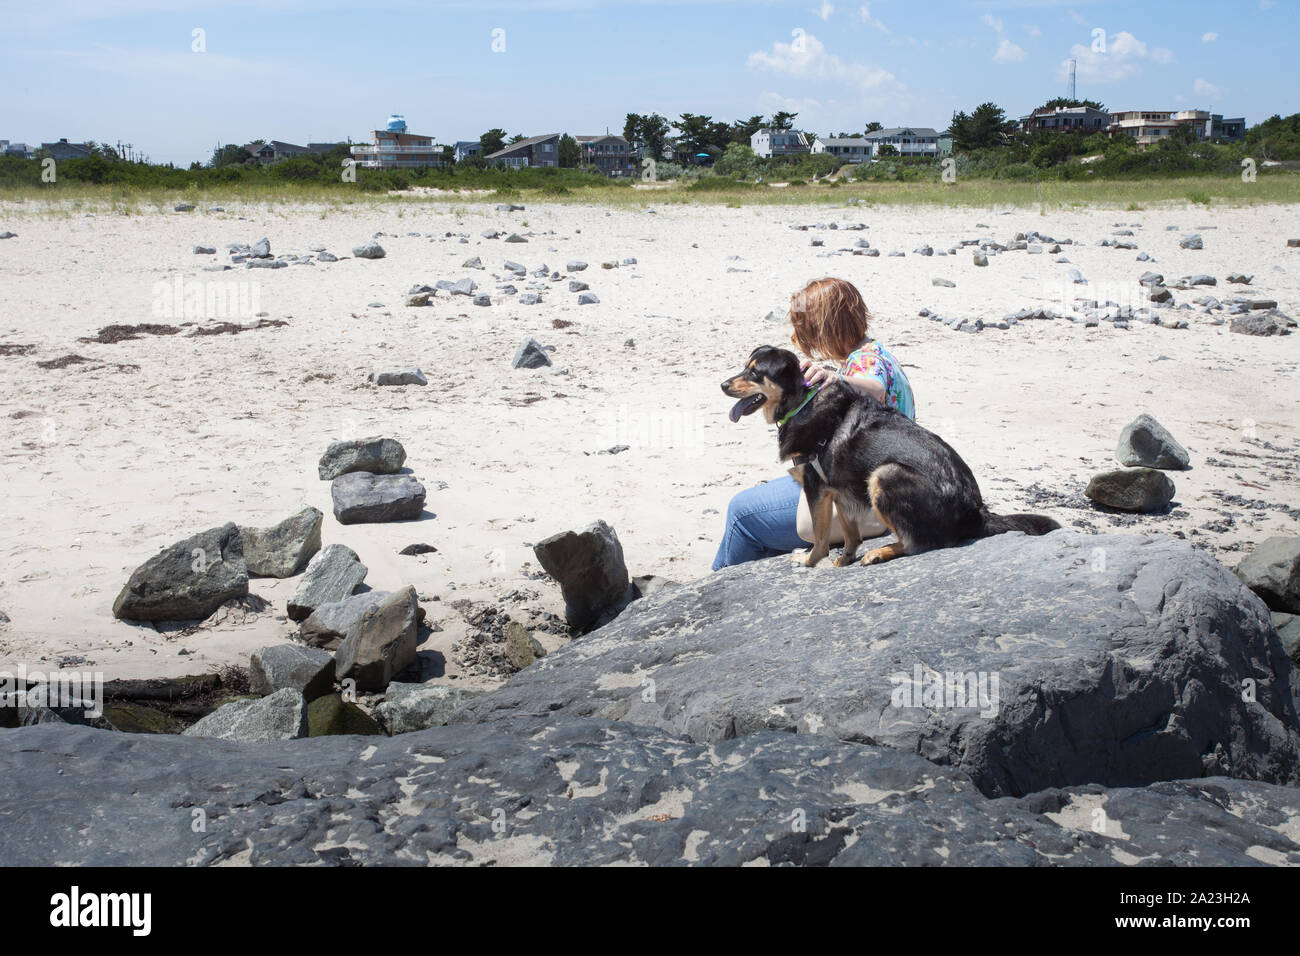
point(1027, 662)
point(308, 670)
point(1144, 441)
point(410, 707)
point(360, 497)
point(282, 550)
point(331, 576)
point(282, 716)
point(329, 624)
point(592, 574)
point(331, 715)
point(565, 791)
point(381, 644)
point(187, 580)
point(1272, 571)
point(379, 456)
point(1143, 490)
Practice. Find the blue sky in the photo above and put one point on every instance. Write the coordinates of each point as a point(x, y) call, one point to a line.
point(300, 70)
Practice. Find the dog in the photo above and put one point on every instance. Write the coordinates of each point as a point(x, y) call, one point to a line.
point(853, 453)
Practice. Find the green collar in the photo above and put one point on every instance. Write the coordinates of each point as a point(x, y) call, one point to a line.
point(789, 415)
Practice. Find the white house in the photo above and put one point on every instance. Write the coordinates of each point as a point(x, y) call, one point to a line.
point(767, 143)
point(852, 149)
point(906, 140)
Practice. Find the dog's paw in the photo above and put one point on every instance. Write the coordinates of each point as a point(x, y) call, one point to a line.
point(800, 559)
point(845, 559)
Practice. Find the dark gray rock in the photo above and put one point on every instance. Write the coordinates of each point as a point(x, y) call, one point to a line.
point(515, 237)
point(407, 708)
point(331, 576)
point(281, 716)
point(473, 262)
point(380, 456)
point(1272, 571)
point(1257, 323)
point(205, 250)
point(943, 283)
point(522, 648)
point(360, 497)
point(408, 376)
point(594, 792)
point(530, 298)
point(482, 299)
point(261, 249)
point(327, 257)
point(1191, 242)
point(1132, 489)
point(588, 298)
point(307, 670)
point(575, 265)
point(420, 299)
point(187, 580)
point(1095, 642)
point(282, 551)
point(593, 577)
point(368, 250)
point(1144, 441)
point(328, 625)
point(183, 207)
point(381, 643)
point(530, 355)
point(981, 259)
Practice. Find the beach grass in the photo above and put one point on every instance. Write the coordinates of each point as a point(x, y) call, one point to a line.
point(1280, 186)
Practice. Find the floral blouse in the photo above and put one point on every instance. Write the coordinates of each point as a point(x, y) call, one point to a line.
point(874, 361)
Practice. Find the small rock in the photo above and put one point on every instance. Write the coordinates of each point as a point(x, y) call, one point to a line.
point(369, 250)
point(1272, 571)
point(381, 644)
point(281, 716)
point(1132, 489)
point(409, 376)
point(530, 355)
point(281, 551)
point(362, 498)
point(332, 575)
point(1147, 443)
point(307, 670)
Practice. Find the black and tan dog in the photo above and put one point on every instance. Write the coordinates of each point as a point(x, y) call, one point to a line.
point(854, 453)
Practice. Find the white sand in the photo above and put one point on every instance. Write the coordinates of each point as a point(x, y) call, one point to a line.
point(102, 467)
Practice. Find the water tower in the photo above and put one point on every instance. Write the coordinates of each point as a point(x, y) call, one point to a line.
point(396, 123)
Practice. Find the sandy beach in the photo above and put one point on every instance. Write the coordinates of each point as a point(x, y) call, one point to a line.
point(159, 437)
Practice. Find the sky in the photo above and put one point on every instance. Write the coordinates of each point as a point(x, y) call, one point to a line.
point(178, 77)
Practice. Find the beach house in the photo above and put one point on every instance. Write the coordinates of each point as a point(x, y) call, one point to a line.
point(541, 150)
point(851, 149)
point(906, 140)
point(1066, 119)
point(395, 148)
point(612, 155)
point(1152, 126)
point(767, 143)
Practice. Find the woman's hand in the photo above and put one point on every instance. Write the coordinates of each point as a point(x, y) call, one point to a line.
point(815, 375)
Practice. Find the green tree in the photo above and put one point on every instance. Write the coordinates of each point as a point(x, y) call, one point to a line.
point(229, 155)
point(742, 130)
point(737, 160)
point(887, 149)
point(570, 154)
point(1065, 101)
point(493, 141)
point(783, 120)
point(986, 127)
point(874, 127)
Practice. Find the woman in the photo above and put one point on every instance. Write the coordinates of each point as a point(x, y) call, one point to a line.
point(830, 321)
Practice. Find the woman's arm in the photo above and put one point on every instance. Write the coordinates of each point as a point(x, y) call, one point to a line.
point(866, 384)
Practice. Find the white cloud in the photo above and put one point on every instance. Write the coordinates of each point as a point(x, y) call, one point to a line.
point(1077, 18)
point(1204, 88)
point(1267, 4)
point(864, 12)
point(1032, 30)
point(1209, 37)
point(1122, 60)
point(807, 58)
point(825, 10)
point(992, 21)
point(1008, 52)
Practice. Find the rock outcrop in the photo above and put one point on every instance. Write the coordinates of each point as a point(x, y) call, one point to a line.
point(1027, 663)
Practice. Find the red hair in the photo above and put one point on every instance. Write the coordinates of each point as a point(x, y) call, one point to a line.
point(829, 317)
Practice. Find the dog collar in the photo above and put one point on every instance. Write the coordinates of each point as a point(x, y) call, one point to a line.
point(790, 415)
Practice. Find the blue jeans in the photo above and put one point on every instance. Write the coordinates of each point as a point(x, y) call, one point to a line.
point(761, 523)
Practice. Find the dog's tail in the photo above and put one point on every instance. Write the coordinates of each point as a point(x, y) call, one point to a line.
point(1029, 524)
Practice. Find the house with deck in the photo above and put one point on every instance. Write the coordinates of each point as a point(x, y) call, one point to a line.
point(767, 143)
point(906, 140)
point(612, 155)
point(394, 147)
point(541, 150)
point(851, 149)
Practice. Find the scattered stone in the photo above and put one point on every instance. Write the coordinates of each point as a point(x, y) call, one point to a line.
point(332, 575)
point(261, 249)
point(307, 670)
point(369, 250)
point(531, 355)
point(1145, 442)
point(410, 707)
point(482, 299)
point(205, 250)
point(380, 456)
point(381, 644)
point(575, 265)
point(592, 575)
point(183, 207)
point(1238, 278)
point(363, 498)
point(515, 237)
point(943, 283)
point(981, 259)
point(1272, 571)
point(332, 716)
point(576, 286)
point(417, 549)
point(1191, 242)
point(530, 298)
point(281, 716)
point(408, 376)
point(327, 257)
point(587, 298)
point(474, 262)
point(1257, 323)
point(187, 580)
point(420, 299)
point(521, 647)
point(329, 624)
point(281, 551)
point(1143, 490)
